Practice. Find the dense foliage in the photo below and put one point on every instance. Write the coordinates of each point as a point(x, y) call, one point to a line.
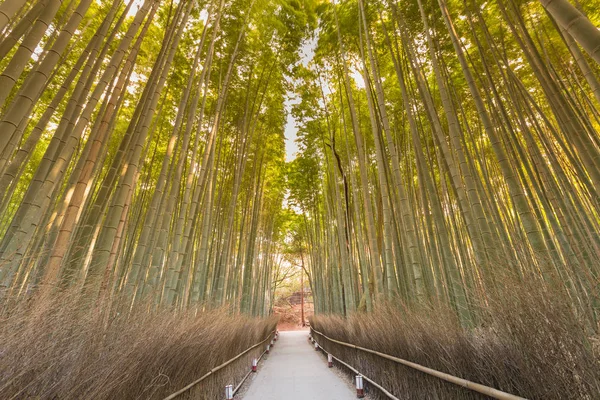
point(444, 146)
point(142, 148)
point(447, 146)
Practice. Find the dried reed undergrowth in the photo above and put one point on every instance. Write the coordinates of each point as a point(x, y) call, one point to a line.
point(528, 343)
point(69, 354)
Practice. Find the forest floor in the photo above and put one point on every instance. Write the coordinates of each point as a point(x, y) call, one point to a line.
point(290, 316)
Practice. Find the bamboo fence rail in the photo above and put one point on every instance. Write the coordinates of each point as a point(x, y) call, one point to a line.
point(215, 369)
point(477, 387)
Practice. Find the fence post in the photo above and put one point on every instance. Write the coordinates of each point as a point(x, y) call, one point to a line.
point(268, 348)
point(329, 360)
point(229, 392)
point(316, 346)
point(254, 364)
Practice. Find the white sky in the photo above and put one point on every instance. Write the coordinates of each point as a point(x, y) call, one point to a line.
point(291, 129)
point(291, 148)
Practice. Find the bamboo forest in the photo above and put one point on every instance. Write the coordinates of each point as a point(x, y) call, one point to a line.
point(430, 169)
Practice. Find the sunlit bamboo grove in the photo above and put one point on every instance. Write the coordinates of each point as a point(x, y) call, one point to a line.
point(444, 147)
point(142, 148)
point(448, 146)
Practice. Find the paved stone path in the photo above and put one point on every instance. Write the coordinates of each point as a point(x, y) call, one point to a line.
point(295, 371)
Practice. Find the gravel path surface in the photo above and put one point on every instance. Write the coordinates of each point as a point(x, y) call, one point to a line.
point(295, 371)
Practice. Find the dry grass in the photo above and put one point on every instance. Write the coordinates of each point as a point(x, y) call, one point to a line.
point(529, 342)
point(68, 354)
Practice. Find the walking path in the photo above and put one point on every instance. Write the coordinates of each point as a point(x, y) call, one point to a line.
point(295, 371)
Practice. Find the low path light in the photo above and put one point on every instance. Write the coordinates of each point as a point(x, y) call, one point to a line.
point(360, 389)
